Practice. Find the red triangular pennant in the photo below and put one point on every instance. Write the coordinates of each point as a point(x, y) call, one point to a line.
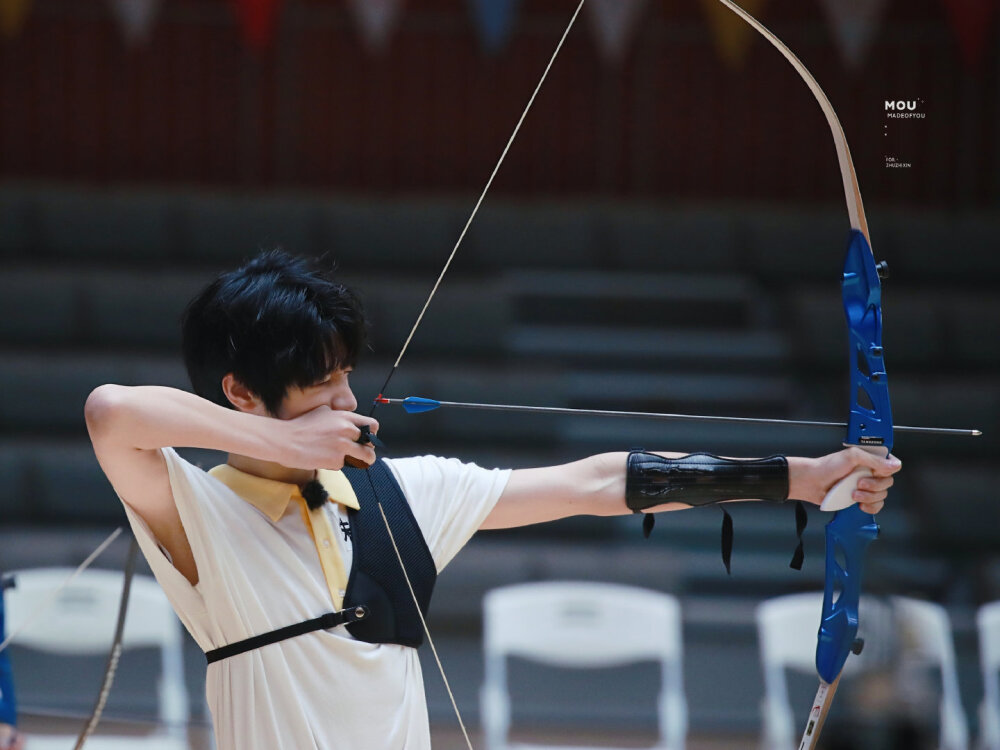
point(257, 19)
point(972, 21)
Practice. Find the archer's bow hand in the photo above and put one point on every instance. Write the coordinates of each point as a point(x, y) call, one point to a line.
point(811, 478)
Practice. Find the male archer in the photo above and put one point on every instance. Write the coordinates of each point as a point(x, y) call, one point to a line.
point(278, 562)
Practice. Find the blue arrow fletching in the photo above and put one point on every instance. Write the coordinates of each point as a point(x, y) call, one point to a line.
point(418, 405)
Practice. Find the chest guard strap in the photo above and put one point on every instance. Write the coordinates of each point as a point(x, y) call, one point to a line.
point(376, 582)
point(323, 622)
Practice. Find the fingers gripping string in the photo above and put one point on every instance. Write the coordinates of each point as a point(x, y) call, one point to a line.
point(482, 195)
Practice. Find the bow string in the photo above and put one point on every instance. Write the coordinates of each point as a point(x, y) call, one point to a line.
point(413, 330)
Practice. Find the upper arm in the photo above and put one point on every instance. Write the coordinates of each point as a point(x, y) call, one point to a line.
point(139, 477)
point(593, 486)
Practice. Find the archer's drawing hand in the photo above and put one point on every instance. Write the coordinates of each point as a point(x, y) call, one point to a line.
point(325, 438)
point(809, 479)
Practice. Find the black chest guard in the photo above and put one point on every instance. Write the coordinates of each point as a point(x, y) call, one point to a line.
point(376, 581)
point(378, 606)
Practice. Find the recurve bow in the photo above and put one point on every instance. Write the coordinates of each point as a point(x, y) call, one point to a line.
point(869, 424)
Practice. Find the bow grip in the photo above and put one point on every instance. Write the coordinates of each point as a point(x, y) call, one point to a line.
point(847, 537)
point(840, 496)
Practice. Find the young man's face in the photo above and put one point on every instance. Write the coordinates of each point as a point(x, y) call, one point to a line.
point(333, 391)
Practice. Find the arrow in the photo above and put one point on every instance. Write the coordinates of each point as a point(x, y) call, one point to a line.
point(419, 405)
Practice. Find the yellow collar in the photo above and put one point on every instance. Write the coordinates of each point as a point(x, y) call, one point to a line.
point(271, 497)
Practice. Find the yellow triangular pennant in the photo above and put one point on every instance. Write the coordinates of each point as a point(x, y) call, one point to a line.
point(12, 16)
point(731, 33)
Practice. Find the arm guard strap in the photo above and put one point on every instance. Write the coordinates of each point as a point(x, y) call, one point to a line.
point(702, 479)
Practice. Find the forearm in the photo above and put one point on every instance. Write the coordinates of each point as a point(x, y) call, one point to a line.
point(597, 486)
point(593, 486)
point(741, 483)
point(151, 417)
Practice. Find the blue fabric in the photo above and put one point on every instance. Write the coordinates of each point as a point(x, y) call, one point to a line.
point(8, 703)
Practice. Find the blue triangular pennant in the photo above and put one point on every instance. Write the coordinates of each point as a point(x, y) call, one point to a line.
point(494, 22)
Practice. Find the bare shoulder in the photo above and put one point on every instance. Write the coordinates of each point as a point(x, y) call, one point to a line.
point(138, 475)
point(140, 478)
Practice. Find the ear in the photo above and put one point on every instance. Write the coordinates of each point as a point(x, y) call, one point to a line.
point(242, 397)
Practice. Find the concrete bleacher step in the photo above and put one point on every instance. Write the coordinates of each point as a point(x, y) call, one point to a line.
point(58, 481)
point(638, 300)
point(697, 393)
point(958, 401)
point(771, 394)
point(468, 317)
point(940, 246)
point(958, 506)
point(45, 393)
point(155, 225)
point(653, 237)
point(70, 223)
point(666, 346)
point(923, 327)
point(100, 307)
point(787, 245)
point(55, 480)
point(92, 307)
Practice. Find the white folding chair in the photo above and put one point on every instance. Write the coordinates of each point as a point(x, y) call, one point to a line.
point(81, 620)
point(928, 640)
point(988, 622)
point(584, 625)
point(786, 633)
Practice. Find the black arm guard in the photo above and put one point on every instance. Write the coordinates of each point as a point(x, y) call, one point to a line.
point(702, 479)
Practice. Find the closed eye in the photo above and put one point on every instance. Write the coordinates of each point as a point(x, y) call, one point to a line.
point(330, 376)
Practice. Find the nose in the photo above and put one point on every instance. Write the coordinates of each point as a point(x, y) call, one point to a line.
point(344, 400)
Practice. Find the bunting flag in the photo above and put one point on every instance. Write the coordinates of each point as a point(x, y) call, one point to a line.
point(614, 23)
point(257, 19)
point(12, 16)
point(972, 21)
point(494, 21)
point(135, 18)
point(732, 34)
point(854, 26)
point(376, 20)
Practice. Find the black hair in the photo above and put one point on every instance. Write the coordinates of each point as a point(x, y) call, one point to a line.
point(279, 321)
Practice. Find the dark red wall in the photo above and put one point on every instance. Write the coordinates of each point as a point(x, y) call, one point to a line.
point(433, 111)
